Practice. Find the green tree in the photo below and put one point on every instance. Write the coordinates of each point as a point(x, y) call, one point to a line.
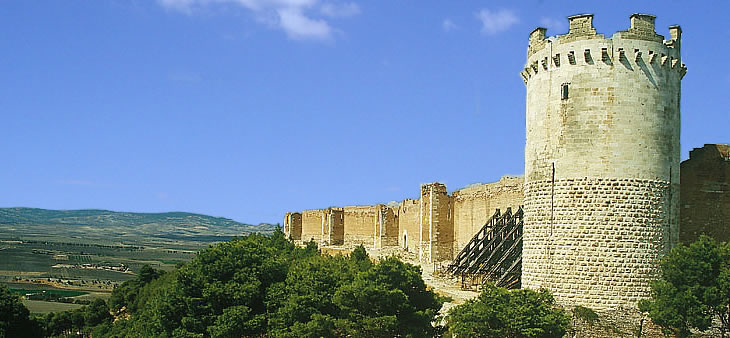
point(694, 288)
point(498, 312)
point(14, 316)
point(96, 313)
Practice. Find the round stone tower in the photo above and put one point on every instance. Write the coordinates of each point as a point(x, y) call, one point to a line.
point(601, 161)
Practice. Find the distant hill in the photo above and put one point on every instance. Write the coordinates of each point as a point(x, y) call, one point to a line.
point(112, 226)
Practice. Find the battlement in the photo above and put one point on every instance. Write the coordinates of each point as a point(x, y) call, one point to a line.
point(634, 48)
point(437, 188)
point(434, 226)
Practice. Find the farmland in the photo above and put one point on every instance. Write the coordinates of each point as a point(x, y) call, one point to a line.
point(84, 254)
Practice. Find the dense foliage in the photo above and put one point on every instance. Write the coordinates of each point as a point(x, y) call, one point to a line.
point(693, 289)
point(14, 317)
point(499, 312)
point(263, 285)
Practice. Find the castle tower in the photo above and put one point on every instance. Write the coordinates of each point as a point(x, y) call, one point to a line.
point(601, 161)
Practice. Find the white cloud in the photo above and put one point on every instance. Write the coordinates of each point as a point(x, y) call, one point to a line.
point(447, 25)
point(494, 22)
point(554, 25)
point(297, 18)
point(298, 26)
point(340, 10)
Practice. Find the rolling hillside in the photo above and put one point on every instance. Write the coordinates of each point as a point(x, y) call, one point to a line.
point(111, 226)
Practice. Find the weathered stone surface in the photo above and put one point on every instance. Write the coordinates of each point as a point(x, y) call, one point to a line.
point(293, 226)
point(371, 226)
point(435, 226)
point(601, 162)
point(705, 197)
point(474, 205)
point(324, 226)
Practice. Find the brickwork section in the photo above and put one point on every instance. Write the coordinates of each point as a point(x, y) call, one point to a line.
point(705, 197)
point(595, 242)
point(474, 205)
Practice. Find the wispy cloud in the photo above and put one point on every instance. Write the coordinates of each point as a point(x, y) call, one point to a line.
point(497, 21)
point(447, 25)
point(299, 19)
point(340, 10)
point(554, 25)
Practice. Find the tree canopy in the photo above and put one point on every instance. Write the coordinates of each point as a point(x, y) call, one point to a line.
point(14, 316)
point(263, 285)
point(694, 288)
point(498, 312)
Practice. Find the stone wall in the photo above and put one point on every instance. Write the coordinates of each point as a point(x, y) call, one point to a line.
point(360, 225)
point(601, 161)
point(386, 226)
point(475, 204)
point(312, 223)
point(595, 242)
point(705, 197)
point(409, 224)
point(293, 226)
point(324, 226)
point(436, 225)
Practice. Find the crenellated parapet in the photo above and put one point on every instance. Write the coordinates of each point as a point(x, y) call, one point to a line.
point(602, 150)
point(638, 48)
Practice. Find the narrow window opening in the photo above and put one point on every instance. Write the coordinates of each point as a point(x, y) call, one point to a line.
point(564, 91)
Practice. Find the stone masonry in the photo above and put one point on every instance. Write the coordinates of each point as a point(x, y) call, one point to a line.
point(293, 226)
point(601, 161)
point(434, 227)
point(705, 197)
point(475, 204)
point(371, 226)
point(325, 227)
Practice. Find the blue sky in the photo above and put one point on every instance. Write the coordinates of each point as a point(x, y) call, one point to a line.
point(249, 108)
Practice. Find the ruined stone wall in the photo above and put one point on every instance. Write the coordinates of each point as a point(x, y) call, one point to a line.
point(312, 223)
point(436, 224)
point(387, 226)
point(293, 226)
point(324, 226)
point(705, 197)
point(360, 225)
point(474, 205)
point(335, 226)
point(409, 225)
point(601, 161)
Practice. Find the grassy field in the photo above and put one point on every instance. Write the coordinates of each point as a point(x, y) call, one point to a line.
point(44, 259)
point(54, 292)
point(37, 306)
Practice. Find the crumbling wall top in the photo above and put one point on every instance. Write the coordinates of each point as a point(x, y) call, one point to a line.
point(711, 151)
